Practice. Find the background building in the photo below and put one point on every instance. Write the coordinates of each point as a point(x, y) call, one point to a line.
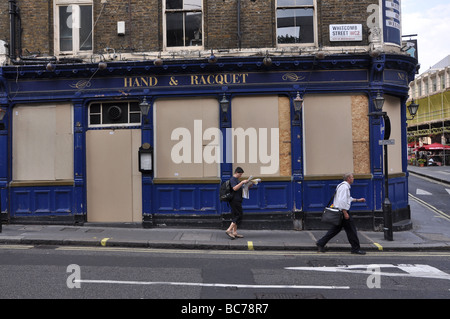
point(224, 81)
point(432, 123)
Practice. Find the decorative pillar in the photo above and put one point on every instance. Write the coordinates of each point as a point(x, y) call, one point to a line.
point(79, 141)
point(297, 159)
point(147, 179)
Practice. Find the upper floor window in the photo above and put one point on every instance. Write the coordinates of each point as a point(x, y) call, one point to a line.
point(183, 23)
point(73, 26)
point(295, 21)
point(434, 84)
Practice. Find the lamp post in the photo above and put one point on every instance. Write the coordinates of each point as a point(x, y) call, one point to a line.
point(378, 102)
point(387, 205)
point(413, 108)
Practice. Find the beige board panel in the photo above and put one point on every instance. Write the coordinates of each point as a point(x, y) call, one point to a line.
point(184, 122)
point(251, 114)
point(42, 142)
point(113, 190)
point(328, 138)
point(392, 106)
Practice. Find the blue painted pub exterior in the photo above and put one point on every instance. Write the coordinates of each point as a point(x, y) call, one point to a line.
point(296, 201)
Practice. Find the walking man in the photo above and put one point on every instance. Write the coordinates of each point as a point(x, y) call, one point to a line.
point(236, 203)
point(342, 201)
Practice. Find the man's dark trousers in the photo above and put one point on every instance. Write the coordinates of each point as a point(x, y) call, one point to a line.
point(350, 230)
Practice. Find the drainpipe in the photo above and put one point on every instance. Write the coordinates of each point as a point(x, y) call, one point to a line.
point(12, 29)
point(239, 24)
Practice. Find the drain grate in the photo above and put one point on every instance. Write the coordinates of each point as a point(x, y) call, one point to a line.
point(95, 231)
point(68, 229)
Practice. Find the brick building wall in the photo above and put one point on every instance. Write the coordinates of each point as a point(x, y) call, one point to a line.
point(144, 24)
point(342, 12)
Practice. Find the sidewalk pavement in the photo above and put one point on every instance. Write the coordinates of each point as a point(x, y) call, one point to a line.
point(431, 231)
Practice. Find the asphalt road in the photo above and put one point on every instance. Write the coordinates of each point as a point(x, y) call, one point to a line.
point(82, 272)
point(434, 193)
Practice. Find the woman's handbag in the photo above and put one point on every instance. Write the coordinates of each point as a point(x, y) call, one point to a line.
point(332, 215)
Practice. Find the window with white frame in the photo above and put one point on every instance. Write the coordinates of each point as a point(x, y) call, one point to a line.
point(295, 21)
point(114, 114)
point(73, 26)
point(183, 23)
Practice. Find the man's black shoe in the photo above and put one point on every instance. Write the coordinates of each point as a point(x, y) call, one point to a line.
point(359, 252)
point(320, 249)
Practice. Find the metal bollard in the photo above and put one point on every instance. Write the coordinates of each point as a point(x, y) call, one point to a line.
point(387, 214)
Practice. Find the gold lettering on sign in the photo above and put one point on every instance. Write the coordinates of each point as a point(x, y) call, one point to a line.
point(212, 79)
point(140, 81)
point(173, 81)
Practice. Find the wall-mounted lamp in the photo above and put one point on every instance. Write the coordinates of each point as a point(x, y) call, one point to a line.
point(374, 53)
point(298, 103)
point(144, 106)
point(158, 61)
point(224, 106)
point(413, 108)
point(2, 114)
point(267, 61)
point(378, 102)
point(146, 158)
point(212, 58)
point(320, 55)
point(102, 65)
point(50, 67)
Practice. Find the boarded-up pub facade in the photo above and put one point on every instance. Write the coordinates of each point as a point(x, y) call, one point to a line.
point(76, 146)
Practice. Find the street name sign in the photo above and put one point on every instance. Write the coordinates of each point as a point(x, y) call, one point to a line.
point(386, 142)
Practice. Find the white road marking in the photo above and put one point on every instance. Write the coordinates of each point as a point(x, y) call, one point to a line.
point(197, 284)
point(417, 270)
point(422, 192)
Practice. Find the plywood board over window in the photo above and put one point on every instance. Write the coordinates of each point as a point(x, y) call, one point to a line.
point(360, 134)
point(336, 135)
point(261, 135)
point(392, 106)
point(187, 138)
point(42, 142)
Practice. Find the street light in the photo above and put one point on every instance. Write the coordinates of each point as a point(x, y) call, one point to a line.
point(224, 105)
point(378, 102)
point(413, 108)
point(298, 104)
point(144, 106)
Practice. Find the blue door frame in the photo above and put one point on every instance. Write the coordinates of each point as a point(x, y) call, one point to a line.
point(79, 84)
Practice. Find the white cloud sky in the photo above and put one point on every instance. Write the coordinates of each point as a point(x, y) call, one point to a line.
point(429, 19)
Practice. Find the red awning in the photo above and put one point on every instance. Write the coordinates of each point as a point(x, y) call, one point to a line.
point(434, 147)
